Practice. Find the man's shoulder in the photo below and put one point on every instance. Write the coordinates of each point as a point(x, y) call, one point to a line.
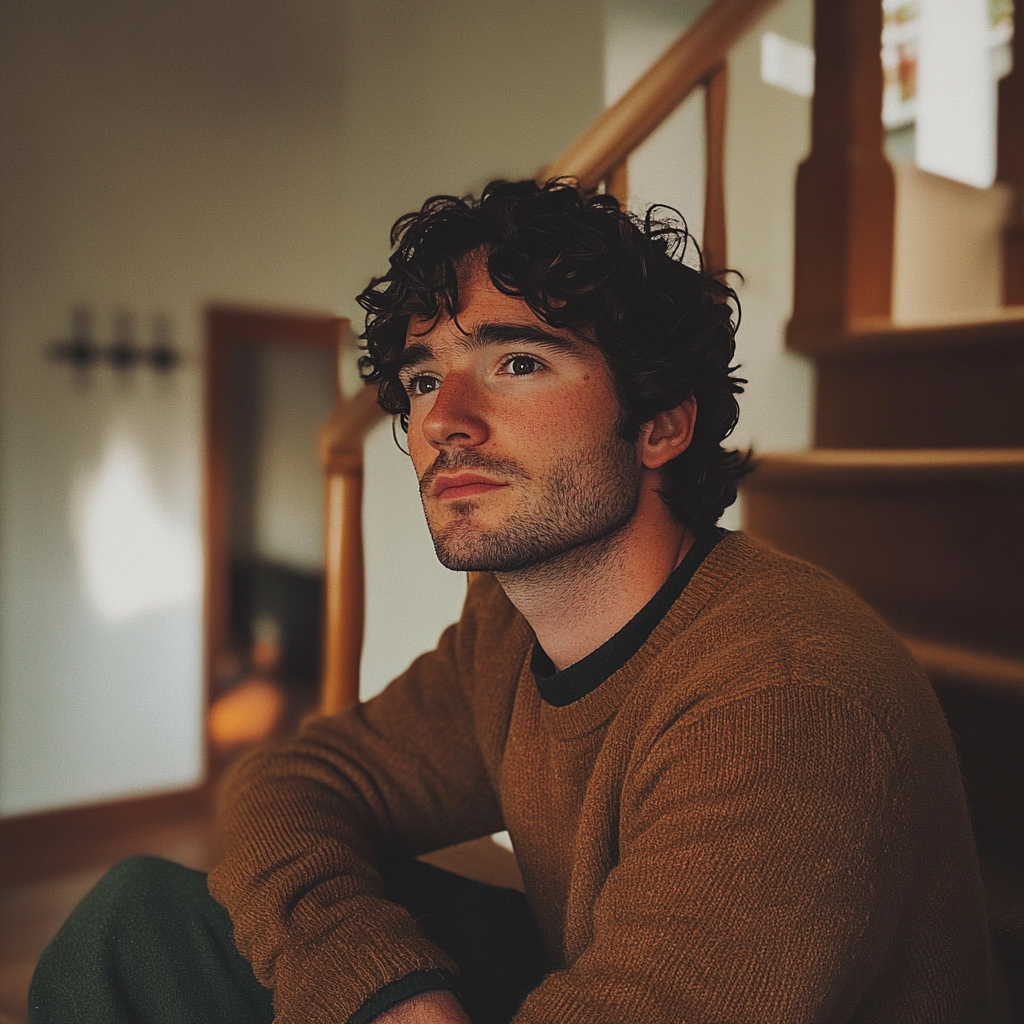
point(782, 596)
point(754, 619)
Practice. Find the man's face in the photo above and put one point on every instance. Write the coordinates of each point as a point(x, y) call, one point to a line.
point(512, 432)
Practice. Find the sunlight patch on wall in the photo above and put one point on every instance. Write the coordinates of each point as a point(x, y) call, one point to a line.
point(134, 557)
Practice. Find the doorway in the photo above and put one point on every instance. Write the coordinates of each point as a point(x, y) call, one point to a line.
point(271, 381)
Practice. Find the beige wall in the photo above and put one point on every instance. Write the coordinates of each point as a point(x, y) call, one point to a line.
point(947, 259)
point(769, 133)
point(155, 157)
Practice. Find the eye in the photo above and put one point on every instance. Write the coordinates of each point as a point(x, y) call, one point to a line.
point(422, 384)
point(520, 366)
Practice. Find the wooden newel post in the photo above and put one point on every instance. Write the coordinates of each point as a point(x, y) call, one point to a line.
point(341, 455)
point(845, 193)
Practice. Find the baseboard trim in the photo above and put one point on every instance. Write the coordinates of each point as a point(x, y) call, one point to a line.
point(34, 846)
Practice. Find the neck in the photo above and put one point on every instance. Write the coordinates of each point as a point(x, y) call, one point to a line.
point(583, 597)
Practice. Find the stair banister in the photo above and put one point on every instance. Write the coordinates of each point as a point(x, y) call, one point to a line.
point(716, 96)
point(686, 64)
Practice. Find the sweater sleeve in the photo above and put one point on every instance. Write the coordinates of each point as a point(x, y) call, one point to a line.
point(307, 822)
point(759, 854)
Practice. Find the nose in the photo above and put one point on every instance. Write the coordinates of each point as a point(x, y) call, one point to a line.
point(456, 418)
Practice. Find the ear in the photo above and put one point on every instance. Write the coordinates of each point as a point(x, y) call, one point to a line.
point(668, 434)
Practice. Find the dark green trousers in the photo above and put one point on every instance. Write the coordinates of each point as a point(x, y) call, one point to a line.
point(149, 945)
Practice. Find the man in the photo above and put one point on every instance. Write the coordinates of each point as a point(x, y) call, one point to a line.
point(731, 793)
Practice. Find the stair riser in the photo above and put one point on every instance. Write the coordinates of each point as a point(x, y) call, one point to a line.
point(937, 560)
point(927, 397)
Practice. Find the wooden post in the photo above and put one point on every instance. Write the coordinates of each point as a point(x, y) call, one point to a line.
point(341, 455)
point(716, 96)
point(617, 184)
point(1011, 164)
point(344, 585)
point(845, 194)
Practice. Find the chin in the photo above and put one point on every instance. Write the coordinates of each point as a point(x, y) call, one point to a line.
point(513, 550)
point(480, 557)
point(577, 513)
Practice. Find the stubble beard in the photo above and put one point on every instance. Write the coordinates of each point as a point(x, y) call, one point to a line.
point(582, 503)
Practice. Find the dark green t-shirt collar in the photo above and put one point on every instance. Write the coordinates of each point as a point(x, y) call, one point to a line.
point(566, 687)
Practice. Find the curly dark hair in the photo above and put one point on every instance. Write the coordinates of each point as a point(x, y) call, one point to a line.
point(665, 328)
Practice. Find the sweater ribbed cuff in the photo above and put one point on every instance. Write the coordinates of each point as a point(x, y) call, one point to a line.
point(396, 992)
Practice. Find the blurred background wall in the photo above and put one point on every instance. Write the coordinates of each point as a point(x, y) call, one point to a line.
point(159, 156)
point(155, 158)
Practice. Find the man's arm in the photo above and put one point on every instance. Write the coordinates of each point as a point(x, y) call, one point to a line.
point(306, 824)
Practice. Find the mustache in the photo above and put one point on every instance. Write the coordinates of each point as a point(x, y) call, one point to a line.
point(468, 458)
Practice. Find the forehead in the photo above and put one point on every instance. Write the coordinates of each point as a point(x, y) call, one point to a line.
point(488, 316)
point(479, 300)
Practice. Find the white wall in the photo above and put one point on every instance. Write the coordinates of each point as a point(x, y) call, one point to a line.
point(668, 168)
point(289, 392)
point(768, 135)
point(155, 157)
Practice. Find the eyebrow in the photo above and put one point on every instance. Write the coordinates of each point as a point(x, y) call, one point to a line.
point(491, 334)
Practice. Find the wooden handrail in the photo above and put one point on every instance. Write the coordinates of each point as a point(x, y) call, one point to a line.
point(716, 96)
point(679, 70)
point(340, 445)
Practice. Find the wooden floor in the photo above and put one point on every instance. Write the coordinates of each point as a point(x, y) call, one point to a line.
point(32, 911)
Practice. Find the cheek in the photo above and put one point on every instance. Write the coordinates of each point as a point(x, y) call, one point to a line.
point(587, 412)
point(572, 420)
point(421, 453)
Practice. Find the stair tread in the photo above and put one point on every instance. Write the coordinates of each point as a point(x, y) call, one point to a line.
point(895, 463)
point(982, 317)
point(1002, 323)
point(949, 661)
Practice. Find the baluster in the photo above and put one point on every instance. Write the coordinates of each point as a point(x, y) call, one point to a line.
point(1011, 164)
point(341, 455)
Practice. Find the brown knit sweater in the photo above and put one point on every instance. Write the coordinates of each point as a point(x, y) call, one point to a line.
point(758, 818)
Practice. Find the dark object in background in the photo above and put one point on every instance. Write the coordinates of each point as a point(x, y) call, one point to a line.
point(292, 598)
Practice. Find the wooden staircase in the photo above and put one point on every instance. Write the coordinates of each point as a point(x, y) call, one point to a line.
point(914, 493)
point(930, 537)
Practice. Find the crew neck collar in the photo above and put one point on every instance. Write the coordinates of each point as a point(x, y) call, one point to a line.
point(573, 683)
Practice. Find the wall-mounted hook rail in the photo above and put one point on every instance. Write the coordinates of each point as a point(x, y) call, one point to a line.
point(82, 350)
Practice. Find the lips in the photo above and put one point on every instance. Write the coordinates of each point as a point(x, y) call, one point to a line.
point(453, 486)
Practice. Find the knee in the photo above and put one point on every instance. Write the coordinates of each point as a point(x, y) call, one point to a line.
point(142, 875)
point(145, 891)
point(127, 914)
point(133, 899)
